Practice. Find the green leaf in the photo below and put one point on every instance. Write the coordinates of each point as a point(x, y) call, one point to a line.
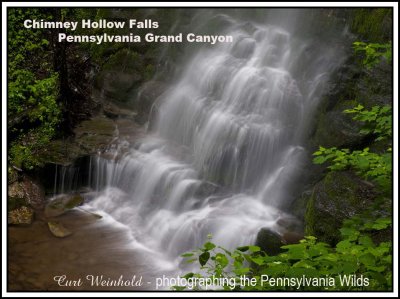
point(190, 261)
point(243, 248)
point(349, 233)
point(303, 264)
point(382, 223)
point(348, 267)
point(222, 260)
point(188, 275)
point(343, 246)
point(203, 258)
point(366, 241)
point(319, 160)
point(257, 260)
point(253, 248)
point(189, 254)
point(241, 271)
point(209, 246)
point(367, 259)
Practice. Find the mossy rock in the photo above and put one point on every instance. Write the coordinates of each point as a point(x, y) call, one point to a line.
point(339, 196)
point(21, 216)
point(90, 136)
point(26, 192)
point(62, 204)
point(337, 129)
point(123, 72)
point(58, 229)
point(373, 24)
point(15, 203)
point(269, 241)
point(124, 60)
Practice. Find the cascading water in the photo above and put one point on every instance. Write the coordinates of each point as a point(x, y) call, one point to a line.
point(226, 142)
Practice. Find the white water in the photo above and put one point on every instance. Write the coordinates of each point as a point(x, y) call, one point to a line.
point(226, 145)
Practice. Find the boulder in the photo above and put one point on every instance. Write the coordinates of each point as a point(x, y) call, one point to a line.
point(62, 204)
point(117, 85)
point(20, 216)
point(338, 196)
point(58, 230)
point(269, 241)
point(27, 191)
point(336, 128)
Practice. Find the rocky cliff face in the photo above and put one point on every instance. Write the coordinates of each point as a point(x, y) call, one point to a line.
point(330, 198)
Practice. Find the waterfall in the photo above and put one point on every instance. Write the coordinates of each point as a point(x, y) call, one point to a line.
point(226, 143)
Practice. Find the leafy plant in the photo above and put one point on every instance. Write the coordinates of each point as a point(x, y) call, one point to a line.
point(369, 165)
point(248, 267)
point(377, 120)
point(33, 88)
point(373, 52)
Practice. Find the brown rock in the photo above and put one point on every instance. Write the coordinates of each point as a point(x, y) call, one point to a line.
point(62, 204)
point(29, 190)
point(22, 215)
point(58, 230)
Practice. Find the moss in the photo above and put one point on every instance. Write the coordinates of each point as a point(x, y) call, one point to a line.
point(339, 186)
point(124, 60)
point(149, 72)
point(336, 129)
point(90, 136)
point(309, 217)
point(337, 197)
point(74, 201)
point(15, 203)
point(373, 24)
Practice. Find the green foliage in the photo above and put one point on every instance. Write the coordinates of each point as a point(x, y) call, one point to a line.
point(27, 48)
point(373, 23)
point(371, 166)
point(377, 121)
point(33, 87)
point(373, 52)
point(358, 251)
point(356, 254)
point(149, 72)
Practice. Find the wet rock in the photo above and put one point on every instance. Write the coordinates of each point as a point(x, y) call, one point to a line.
point(336, 128)
point(117, 85)
point(292, 237)
point(58, 230)
point(62, 204)
point(27, 191)
point(339, 196)
point(16, 190)
point(206, 189)
point(21, 216)
point(123, 72)
point(95, 133)
point(289, 223)
point(269, 241)
point(90, 136)
point(114, 111)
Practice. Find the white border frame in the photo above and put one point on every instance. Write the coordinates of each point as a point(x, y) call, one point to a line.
point(393, 5)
